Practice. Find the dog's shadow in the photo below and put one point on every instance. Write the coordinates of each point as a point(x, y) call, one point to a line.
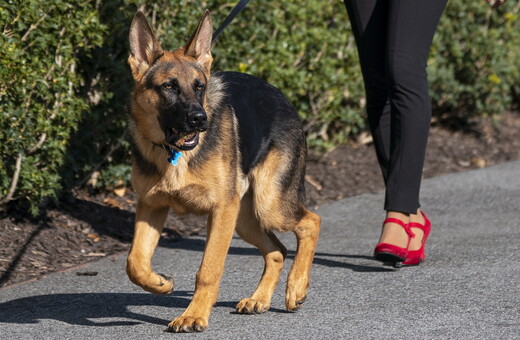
point(96, 309)
point(89, 309)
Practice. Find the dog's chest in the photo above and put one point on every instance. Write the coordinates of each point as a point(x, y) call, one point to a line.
point(185, 192)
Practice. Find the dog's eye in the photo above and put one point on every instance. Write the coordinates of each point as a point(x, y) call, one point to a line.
point(168, 86)
point(199, 87)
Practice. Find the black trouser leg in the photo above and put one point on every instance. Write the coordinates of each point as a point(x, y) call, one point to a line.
point(393, 39)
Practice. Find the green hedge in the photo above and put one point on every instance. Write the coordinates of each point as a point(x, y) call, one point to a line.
point(64, 82)
point(40, 87)
point(475, 59)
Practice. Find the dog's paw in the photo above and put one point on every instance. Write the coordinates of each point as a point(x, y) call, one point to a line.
point(252, 306)
point(165, 285)
point(295, 293)
point(187, 324)
point(293, 300)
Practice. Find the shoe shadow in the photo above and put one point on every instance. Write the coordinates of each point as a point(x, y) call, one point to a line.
point(324, 259)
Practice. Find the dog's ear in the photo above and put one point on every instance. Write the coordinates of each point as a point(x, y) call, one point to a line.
point(144, 46)
point(199, 46)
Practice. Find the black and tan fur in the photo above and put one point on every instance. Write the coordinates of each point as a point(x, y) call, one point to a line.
point(243, 164)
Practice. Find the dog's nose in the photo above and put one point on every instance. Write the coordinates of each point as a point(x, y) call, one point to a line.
point(198, 120)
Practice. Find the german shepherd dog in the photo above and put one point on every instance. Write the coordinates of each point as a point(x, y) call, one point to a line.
point(242, 162)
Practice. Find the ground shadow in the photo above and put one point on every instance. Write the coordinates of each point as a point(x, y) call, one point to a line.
point(322, 259)
point(6, 275)
point(104, 220)
point(84, 309)
point(93, 309)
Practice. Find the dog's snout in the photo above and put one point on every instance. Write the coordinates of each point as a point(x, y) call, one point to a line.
point(198, 120)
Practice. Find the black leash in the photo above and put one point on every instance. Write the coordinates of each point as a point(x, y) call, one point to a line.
point(232, 15)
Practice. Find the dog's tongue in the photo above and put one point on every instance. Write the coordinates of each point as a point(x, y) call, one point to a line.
point(191, 141)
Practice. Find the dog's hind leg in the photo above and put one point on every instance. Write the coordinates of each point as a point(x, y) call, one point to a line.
point(273, 252)
point(148, 226)
point(307, 231)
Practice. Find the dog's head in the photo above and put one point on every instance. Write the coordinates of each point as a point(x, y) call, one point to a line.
point(170, 87)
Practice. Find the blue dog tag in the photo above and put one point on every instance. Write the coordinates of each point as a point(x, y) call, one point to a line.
point(175, 155)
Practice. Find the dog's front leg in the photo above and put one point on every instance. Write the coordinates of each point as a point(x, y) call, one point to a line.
point(221, 224)
point(149, 222)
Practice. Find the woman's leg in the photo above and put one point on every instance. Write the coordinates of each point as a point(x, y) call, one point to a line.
point(369, 21)
point(411, 26)
point(393, 39)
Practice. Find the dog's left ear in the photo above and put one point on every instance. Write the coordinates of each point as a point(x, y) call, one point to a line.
point(199, 46)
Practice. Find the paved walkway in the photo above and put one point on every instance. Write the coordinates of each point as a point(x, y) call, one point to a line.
point(467, 289)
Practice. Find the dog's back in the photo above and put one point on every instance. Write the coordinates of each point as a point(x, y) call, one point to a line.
point(266, 118)
point(266, 122)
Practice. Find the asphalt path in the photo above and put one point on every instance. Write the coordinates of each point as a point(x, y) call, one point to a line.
point(468, 288)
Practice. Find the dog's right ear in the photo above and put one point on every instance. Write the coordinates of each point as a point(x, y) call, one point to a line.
point(144, 46)
point(199, 46)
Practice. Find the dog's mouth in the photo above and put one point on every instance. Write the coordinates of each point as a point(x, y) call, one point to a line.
point(182, 141)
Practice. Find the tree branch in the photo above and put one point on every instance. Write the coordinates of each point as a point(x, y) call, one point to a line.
point(34, 26)
point(14, 181)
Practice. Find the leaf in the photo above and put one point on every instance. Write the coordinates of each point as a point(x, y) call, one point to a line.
point(113, 203)
point(95, 238)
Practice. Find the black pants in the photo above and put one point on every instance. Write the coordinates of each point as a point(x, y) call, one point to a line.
point(393, 39)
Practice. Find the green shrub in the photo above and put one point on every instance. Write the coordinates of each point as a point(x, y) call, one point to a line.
point(64, 82)
point(39, 83)
point(475, 59)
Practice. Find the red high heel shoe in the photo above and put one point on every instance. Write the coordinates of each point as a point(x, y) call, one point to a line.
point(392, 254)
point(415, 257)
